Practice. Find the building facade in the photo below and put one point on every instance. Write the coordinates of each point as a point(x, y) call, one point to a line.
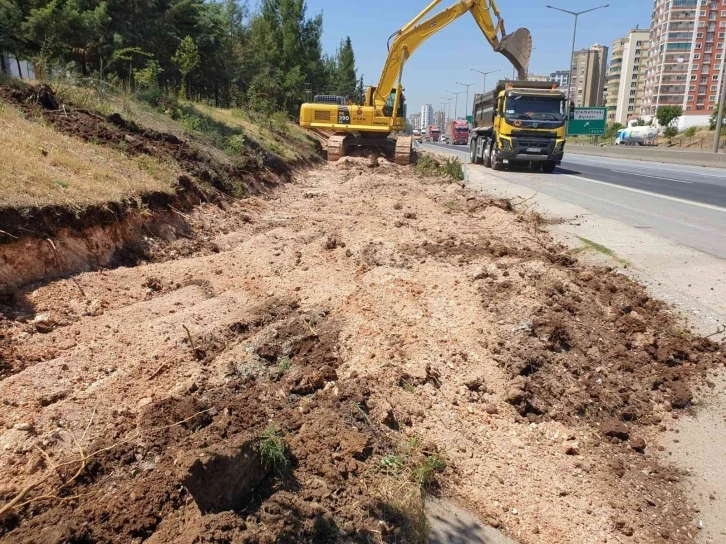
point(589, 71)
point(626, 76)
point(561, 77)
point(672, 32)
point(427, 116)
point(439, 119)
point(415, 120)
point(706, 64)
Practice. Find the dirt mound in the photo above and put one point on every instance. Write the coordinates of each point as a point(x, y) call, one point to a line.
point(214, 460)
point(363, 330)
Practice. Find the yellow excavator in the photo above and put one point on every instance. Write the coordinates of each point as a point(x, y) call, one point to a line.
point(370, 125)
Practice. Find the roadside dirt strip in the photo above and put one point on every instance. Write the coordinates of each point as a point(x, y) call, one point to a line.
point(390, 330)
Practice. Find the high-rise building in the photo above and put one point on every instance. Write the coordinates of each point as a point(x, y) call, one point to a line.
point(672, 30)
point(589, 69)
point(706, 64)
point(626, 76)
point(415, 120)
point(427, 116)
point(561, 77)
point(439, 119)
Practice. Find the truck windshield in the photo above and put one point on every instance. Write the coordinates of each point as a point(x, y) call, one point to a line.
point(461, 129)
point(535, 107)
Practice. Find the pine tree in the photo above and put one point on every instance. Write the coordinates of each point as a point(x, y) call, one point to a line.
point(187, 59)
point(345, 76)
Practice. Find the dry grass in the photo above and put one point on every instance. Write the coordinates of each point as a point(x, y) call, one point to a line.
point(293, 144)
point(42, 167)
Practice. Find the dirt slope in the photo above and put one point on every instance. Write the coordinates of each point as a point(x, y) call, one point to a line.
point(372, 318)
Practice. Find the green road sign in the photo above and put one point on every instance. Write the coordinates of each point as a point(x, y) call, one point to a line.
point(586, 122)
point(469, 118)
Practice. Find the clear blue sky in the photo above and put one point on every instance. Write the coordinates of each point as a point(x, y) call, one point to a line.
point(448, 56)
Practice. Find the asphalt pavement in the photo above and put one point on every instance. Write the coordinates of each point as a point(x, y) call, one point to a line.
point(685, 204)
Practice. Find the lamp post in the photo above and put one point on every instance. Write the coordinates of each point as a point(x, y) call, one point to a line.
point(467, 85)
point(456, 103)
point(484, 87)
point(448, 112)
point(576, 14)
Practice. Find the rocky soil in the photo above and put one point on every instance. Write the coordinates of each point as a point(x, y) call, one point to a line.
point(395, 333)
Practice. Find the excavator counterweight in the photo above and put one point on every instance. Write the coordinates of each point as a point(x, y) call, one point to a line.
point(369, 125)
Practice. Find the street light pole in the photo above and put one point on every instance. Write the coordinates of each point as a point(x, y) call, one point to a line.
point(456, 103)
point(574, 34)
point(448, 111)
point(467, 85)
point(721, 103)
point(484, 88)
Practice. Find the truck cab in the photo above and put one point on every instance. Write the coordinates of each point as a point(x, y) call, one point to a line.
point(520, 122)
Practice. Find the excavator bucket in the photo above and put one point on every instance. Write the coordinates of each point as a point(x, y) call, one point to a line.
point(517, 47)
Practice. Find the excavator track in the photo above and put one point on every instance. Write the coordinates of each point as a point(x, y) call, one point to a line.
point(336, 147)
point(403, 153)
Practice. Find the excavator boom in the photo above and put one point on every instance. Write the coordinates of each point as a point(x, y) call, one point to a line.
point(516, 47)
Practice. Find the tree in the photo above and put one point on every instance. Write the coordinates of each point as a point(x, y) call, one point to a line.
point(666, 115)
point(639, 122)
point(345, 75)
point(187, 59)
point(612, 130)
point(712, 121)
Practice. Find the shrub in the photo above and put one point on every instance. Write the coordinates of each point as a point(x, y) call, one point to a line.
point(690, 132)
point(670, 132)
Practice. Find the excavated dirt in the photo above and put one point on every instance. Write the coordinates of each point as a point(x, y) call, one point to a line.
point(356, 309)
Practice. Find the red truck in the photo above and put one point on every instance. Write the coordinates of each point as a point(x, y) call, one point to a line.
point(433, 133)
point(458, 132)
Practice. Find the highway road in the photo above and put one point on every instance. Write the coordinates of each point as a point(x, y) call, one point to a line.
point(685, 204)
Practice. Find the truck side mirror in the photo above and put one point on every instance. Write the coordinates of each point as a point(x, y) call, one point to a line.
point(571, 110)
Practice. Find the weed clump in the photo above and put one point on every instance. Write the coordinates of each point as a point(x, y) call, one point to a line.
point(428, 166)
point(273, 450)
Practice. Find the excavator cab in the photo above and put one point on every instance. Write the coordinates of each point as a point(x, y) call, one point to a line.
point(391, 103)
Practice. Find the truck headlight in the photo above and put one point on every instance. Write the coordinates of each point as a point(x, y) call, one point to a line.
point(505, 144)
point(559, 146)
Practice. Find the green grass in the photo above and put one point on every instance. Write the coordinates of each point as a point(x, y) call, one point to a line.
point(589, 245)
point(273, 450)
point(424, 473)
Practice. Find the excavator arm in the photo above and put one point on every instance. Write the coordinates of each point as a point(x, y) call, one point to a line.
point(516, 47)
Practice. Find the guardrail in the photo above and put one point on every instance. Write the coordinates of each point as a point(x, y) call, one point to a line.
point(652, 154)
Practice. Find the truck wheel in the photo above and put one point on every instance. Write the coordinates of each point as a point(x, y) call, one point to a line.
point(488, 154)
point(549, 167)
point(497, 164)
point(473, 159)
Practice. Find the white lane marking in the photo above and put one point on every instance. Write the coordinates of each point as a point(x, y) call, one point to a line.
point(665, 197)
point(647, 176)
point(651, 165)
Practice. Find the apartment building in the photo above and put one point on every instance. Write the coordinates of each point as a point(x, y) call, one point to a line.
point(439, 119)
point(672, 33)
point(415, 120)
point(535, 77)
point(561, 77)
point(626, 76)
point(706, 64)
point(427, 116)
point(589, 73)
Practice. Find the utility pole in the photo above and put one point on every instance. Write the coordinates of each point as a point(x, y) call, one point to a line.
point(484, 88)
point(574, 34)
point(467, 85)
point(456, 103)
point(721, 102)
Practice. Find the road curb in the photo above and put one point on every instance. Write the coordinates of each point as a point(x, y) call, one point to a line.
point(653, 154)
